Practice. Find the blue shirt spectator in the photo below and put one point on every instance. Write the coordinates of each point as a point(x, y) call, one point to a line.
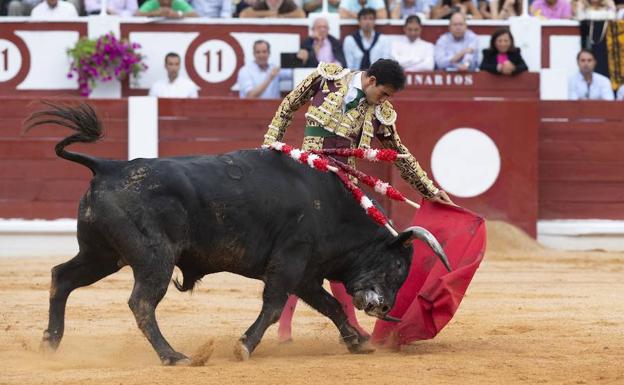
point(260, 79)
point(407, 8)
point(373, 45)
point(587, 84)
point(314, 6)
point(349, 9)
point(213, 8)
point(457, 49)
point(597, 88)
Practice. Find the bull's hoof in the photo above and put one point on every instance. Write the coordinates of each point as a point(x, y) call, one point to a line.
point(241, 352)
point(363, 348)
point(49, 344)
point(175, 359)
point(355, 338)
point(360, 345)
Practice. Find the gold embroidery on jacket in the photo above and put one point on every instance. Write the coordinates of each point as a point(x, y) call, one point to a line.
point(357, 123)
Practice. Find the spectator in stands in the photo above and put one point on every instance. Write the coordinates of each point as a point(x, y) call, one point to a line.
point(123, 8)
point(174, 86)
point(401, 9)
point(350, 9)
point(503, 9)
point(25, 7)
point(594, 9)
point(619, 5)
point(313, 6)
point(365, 46)
point(213, 9)
point(173, 9)
point(485, 8)
point(22, 7)
point(273, 8)
point(412, 53)
point(260, 79)
point(503, 58)
point(320, 46)
point(551, 9)
point(54, 9)
point(457, 49)
point(587, 84)
point(620, 93)
point(241, 5)
point(444, 9)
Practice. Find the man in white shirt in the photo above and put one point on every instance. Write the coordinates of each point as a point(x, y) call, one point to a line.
point(366, 45)
point(260, 79)
point(587, 84)
point(54, 9)
point(413, 53)
point(174, 86)
point(620, 93)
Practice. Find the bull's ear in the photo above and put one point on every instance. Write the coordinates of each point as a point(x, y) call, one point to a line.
point(403, 239)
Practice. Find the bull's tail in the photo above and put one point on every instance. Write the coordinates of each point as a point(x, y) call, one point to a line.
point(188, 283)
point(190, 274)
point(82, 119)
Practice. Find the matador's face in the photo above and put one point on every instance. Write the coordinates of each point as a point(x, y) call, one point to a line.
point(378, 93)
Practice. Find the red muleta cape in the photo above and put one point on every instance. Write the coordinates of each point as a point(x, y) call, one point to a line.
point(430, 296)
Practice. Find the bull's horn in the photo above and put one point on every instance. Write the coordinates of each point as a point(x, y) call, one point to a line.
point(390, 318)
point(425, 236)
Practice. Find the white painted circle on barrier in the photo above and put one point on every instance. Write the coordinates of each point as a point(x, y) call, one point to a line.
point(214, 61)
point(10, 60)
point(465, 162)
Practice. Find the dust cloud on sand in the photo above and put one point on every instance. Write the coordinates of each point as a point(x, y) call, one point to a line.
point(531, 316)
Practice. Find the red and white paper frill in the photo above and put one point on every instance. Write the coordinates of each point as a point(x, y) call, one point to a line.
point(370, 154)
point(319, 162)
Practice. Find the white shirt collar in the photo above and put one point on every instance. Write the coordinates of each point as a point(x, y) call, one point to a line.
point(356, 81)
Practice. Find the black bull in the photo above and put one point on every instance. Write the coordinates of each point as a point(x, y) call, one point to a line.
point(256, 213)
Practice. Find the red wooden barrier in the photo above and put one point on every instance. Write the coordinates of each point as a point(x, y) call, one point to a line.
point(34, 183)
point(581, 160)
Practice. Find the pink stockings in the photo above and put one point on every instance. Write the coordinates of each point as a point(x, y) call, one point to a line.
point(284, 332)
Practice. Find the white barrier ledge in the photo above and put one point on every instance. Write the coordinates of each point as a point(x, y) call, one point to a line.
point(38, 238)
point(38, 226)
point(591, 234)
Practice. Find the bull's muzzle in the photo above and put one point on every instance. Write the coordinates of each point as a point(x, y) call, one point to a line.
point(373, 304)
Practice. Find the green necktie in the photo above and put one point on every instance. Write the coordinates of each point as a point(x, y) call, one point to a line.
point(352, 104)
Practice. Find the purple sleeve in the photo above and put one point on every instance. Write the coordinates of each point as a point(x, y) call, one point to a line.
point(92, 5)
point(131, 7)
point(566, 11)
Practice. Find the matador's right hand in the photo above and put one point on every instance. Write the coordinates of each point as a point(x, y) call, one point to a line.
point(442, 197)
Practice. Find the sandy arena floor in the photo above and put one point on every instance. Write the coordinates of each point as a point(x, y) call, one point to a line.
point(531, 316)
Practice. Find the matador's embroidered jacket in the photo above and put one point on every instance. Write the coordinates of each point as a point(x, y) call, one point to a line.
point(326, 88)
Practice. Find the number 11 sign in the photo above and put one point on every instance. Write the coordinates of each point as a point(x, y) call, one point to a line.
point(215, 61)
point(10, 60)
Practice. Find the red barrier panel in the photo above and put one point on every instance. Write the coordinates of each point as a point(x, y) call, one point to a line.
point(581, 160)
point(34, 182)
